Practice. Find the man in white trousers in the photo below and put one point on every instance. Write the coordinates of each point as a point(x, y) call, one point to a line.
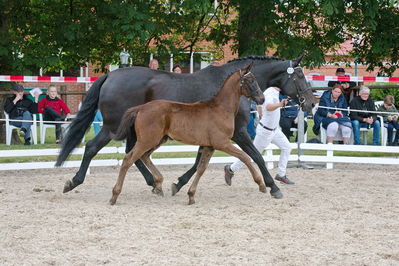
point(267, 132)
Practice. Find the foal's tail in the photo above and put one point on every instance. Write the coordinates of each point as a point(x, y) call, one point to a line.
point(82, 122)
point(126, 126)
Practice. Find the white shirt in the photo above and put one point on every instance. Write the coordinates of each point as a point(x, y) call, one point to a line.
point(271, 119)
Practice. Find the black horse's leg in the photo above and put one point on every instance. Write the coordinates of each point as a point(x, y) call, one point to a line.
point(92, 147)
point(242, 138)
point(149, 179)
point(186, 176)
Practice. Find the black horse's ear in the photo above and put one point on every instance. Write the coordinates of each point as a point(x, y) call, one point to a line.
point(297, 60)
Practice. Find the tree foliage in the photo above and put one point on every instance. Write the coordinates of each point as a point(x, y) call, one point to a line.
point(61, 34)
point(289, 27)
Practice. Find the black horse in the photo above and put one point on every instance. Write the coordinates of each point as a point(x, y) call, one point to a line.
point(121, 89)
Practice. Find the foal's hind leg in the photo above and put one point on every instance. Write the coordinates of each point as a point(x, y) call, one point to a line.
point(130, 142)
point(203, 163)
point(232, 150)
point(128, 161)
point(158, 178)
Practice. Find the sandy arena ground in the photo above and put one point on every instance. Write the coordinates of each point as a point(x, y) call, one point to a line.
point(345, 216)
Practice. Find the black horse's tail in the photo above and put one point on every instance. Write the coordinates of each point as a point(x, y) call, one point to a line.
point(82, 122)
point(127, 124)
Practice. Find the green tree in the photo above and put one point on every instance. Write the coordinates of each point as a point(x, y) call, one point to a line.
point(62, 34)
point(289, 27)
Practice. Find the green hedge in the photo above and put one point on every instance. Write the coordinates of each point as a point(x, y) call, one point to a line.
point(379, 94)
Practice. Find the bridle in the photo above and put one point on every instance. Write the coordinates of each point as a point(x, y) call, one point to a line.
point(252, 93)
point(292, 75)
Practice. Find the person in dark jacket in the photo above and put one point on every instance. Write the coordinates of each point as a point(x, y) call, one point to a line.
point(334, 121)
point(289, 117)
point(19, 107)
point(346, 85)
point(364, 119)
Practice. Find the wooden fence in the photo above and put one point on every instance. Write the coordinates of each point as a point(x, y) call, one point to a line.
point(270, 157)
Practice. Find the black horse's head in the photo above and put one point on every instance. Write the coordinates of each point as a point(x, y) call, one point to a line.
point(249, 86)
point(287, 75)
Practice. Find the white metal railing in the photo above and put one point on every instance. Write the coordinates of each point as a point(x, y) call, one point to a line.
point(269, 157)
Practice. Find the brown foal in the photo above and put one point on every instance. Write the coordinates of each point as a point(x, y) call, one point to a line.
point(209, 124)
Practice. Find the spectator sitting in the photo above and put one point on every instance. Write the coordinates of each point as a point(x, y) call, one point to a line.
point(177, 69)
point(54, 109)
point(390, 120)
point(97, 119)
point(364, 119)
point(334, 121)
point(289, 117)
point(346, 85)
point(19, 107)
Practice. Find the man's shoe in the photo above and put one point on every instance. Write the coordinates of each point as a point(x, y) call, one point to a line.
point(284, 179)
point(228, 174)
point(27, 142)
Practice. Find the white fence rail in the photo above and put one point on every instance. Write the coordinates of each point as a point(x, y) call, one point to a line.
point(269, 157)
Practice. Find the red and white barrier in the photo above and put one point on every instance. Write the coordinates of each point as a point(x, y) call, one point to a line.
point(92, 79)
point(355, 79)
point(47, 79)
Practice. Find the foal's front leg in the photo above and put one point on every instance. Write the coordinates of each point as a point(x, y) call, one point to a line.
point(232, 150)
point(203, 164)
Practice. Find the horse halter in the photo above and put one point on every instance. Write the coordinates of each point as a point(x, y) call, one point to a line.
point(242, 81)
point(293, 75)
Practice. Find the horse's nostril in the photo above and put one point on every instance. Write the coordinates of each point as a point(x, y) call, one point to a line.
point(313, 105)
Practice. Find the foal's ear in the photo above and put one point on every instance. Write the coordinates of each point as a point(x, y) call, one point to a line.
point(248, 68)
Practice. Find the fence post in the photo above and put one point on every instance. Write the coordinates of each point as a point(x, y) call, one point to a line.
point(330, 156)
point(269, 158)
point(83, 154)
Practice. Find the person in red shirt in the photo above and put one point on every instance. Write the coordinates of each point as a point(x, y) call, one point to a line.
point(54, 109)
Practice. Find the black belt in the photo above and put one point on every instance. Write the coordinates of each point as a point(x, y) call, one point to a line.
point(265, 127)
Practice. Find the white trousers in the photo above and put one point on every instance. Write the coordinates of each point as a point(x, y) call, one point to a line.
point(262, 139)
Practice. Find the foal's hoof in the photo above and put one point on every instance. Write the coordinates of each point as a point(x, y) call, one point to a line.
point(174, 189)
point(276, 194)
point(112, 201)
point(68, 186)
point(158, 192)
point(263, 189)
point(191, 202)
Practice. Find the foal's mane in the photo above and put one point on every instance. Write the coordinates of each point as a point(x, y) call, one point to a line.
point(257, 57)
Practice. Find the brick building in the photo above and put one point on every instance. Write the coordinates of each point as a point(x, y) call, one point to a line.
point(73, 93)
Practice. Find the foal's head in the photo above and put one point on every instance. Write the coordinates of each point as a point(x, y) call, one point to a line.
point(249, 86)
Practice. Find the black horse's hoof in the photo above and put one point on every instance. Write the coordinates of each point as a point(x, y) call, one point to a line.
point(68, 186)
point(276, 194)
point(174, 189)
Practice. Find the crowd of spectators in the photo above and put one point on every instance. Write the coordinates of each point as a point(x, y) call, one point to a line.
point(19, 107)
point(362, 113)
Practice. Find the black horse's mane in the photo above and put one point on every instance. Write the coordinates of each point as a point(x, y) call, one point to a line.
point(257, 57)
